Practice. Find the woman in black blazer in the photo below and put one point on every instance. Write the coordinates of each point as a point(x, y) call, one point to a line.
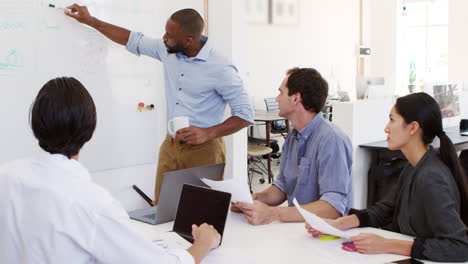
point(431, 201)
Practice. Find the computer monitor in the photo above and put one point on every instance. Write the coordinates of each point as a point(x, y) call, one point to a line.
point(448, 97)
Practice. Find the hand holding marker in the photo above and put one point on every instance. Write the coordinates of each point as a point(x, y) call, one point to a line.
point(59, 7)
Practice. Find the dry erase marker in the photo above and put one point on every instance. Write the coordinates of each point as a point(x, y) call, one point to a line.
point(143, 195)
point(59, 7)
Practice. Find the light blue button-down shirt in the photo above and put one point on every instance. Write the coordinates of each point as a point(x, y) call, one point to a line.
point(316, 165)
point(198, 87)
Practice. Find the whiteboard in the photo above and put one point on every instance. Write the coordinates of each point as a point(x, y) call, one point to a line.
point(39, 43)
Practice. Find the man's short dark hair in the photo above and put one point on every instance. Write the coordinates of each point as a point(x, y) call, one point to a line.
point(63, 116)
point(190, 21)
point(311, 85)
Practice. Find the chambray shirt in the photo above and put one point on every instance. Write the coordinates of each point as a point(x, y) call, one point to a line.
point(198, 87)
point(316, 165)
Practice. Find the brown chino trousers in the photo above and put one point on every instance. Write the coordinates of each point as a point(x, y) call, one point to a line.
point(176, 155)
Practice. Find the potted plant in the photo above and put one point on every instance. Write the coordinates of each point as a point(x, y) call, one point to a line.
point(412, 77)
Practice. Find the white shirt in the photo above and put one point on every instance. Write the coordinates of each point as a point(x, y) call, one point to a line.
point(52, 212)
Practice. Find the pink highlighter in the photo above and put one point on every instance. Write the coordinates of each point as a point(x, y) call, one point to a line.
point(349, 246)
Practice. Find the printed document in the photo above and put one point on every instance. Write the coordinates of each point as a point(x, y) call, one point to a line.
point(239, 192)
point(318, 223)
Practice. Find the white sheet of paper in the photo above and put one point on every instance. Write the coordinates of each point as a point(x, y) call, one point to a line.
point(318, 223)
point(171, 240)
point(239, 192)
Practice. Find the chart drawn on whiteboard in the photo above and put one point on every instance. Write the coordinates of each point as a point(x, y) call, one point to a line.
point(9, 63)
point(16, 14)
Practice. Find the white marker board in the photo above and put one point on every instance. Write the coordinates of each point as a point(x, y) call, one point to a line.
point(39, 43)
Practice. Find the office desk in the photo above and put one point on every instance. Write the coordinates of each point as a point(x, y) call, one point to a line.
point(379, 150)
point(268, 117)
point(278, 243)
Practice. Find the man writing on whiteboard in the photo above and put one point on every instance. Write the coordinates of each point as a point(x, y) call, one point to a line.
point(199, 83)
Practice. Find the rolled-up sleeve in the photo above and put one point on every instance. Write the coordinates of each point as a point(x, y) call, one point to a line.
point(334, 170)
point(232, 90)
point(140, 44)
point(280, 182)
point(337, 200)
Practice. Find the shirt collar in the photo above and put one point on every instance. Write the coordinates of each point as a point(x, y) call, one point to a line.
point(202, 54)
point(307, 131)
point(428, 155)
point(75, 168)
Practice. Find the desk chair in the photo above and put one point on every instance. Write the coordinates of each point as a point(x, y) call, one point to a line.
point(327, 111)
point(255, 163)
point(277, 127)
point(275, 154)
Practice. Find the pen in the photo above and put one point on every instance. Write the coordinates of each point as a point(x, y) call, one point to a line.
point(142, 194)
point(59, 7)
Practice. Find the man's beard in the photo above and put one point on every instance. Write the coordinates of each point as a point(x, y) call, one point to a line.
point(172, 50)
point(175, 49)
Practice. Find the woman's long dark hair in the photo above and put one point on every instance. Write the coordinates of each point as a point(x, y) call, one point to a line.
point(422, 108)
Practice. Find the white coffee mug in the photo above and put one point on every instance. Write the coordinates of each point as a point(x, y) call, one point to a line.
point(177, 123)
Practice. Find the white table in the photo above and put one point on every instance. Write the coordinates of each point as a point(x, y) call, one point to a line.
point(278, 243)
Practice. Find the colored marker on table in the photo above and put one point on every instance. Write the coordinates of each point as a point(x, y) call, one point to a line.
point(328, 238)
point(349, 246)
point(59, 7)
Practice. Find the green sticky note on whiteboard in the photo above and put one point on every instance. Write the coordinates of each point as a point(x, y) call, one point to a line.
point(328, 238)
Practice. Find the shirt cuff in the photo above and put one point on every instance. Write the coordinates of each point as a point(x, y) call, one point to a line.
point(245, 114)
point(337, 200)
point(183, 255)
point(279, 185)
point(132, 43)
point(362, 215)
point(418, 248)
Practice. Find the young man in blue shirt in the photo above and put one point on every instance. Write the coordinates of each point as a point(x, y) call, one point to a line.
point(316, 159)
point(199, 83)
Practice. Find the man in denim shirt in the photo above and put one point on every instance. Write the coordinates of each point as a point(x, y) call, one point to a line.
point(199, 83)
point(316, 158)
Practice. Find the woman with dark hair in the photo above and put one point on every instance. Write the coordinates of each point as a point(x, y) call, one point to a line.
point(431, 201)
point(52, 211)
point(63, 116)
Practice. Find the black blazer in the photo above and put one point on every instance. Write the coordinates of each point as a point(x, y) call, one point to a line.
point(426, 205)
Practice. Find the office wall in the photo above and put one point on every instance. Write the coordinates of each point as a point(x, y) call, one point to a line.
point(325, 38)
point(458, 51)
point(458, 40)
point(227, 31)
point(381, 23)
point(380, 34)
point(363, 121)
